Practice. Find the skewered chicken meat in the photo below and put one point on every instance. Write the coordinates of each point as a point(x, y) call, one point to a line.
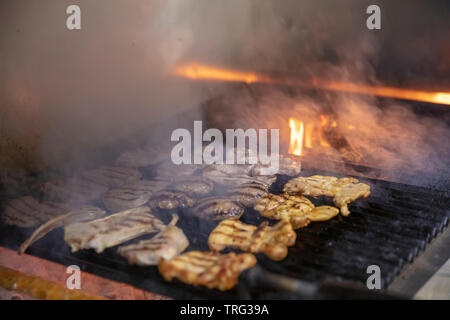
point(75, 190)
point(343, 190)
point(111, 230)
point(272, 241)
point(169, 243)
point(28, 212)
point(193, 185)
point(218, 208)
point(110, 176)
point(210, 269)
point(167, 200)
point(82, 214)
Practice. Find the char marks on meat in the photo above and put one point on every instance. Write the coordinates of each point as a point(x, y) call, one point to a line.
point(210, 269)
point(123, 198)
point(272, 241)
point(110, 176)
point(193, 185)
point(167, 244)
point(111, 230)
point(167, 200)
point(28, 212)
point(75, 190)
point(218, 208)
point(247, 194)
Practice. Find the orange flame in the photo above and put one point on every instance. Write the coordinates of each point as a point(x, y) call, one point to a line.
point(198, 71)
point(296, 144)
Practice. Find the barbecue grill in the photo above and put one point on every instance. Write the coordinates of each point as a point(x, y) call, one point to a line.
point(389, 229)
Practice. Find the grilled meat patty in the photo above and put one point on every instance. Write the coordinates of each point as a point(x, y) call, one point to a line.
point(272, 241)
point(110, 176)
point(75, 190)
point(143, 157)
point(209, 269)
point(234, 180)
point(247, 194)
point(81, 214)
point(218, 208)
point(192, 185)
point(111, 230)
point(167, 200)
point(28, 212)
point(169, 243)
point(121, 199)
point(152, 186)
point(343, 190)
point(169, 171)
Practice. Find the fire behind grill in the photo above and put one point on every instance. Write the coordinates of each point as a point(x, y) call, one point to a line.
point(388, 229)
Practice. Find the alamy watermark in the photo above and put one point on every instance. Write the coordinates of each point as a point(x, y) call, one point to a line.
point(190, 150)
point(74, 280)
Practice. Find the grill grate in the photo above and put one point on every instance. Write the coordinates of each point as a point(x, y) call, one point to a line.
point(387, 229)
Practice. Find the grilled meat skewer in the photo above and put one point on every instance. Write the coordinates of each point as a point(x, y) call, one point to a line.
point(82, 214)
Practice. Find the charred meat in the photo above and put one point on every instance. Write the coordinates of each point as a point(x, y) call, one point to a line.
point(193, 185)
point(167, 200)
point(272, 241)
point(111, 230)
point(218, 208)
point(110, 176)
point(209, 269)
point(247, 194)
point(122, 198)
point(28, 212)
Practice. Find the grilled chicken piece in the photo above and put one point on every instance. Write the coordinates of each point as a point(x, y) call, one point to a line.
point(209, 269)
point(247, 194)
point(110, 176)
point(82, 214)
point(122, 199)
point(169, 243)
point(297, 209)
point(143, 157)
point(111, 230)
point(75, 190)
point(343, 190)
point(218, 208)
point(286, 166)
point(292, 208)
point(28, 212)
point(169, 171)
point(193, 185)
point(167, 200)
point(272, 241)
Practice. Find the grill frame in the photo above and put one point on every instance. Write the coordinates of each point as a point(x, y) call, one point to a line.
point(318, 256)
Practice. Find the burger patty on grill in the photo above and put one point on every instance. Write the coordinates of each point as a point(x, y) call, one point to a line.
point(218, 208)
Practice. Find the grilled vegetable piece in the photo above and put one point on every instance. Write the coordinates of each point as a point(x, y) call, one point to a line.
point(110, 176)
point(218, 208)
point(28, 212)
point(209, 269)
point(75, 190)
point(193, 185)
point(122, 199)
point(272, 241)
point(82, 214)
point(111, 230)
point(278, 207)
point(167, 200)
point(247, 194)
point(343, 190)
point(169, 243)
